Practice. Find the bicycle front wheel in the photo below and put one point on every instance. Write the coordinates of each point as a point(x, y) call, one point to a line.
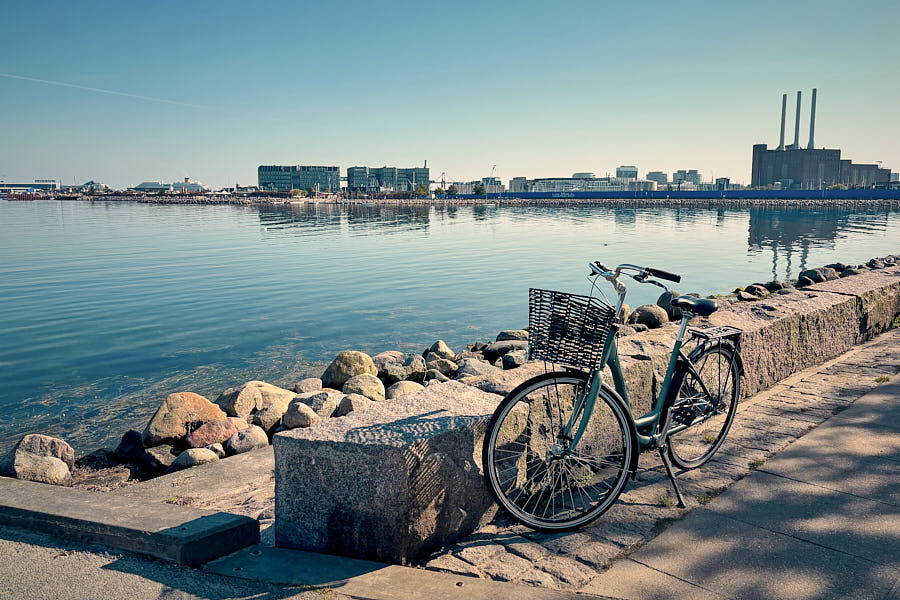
point(532, 469)
point(702, 414)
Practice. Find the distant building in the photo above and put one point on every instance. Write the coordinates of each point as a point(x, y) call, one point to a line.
point(181, 187)
point(518, 184)
point(187, 186)
point(298, 177)
point(152, 186)
point(585, 175)
point(42, 185)
point(492, 185)
point(658, 176)
point(627, 172)
point(895, 177)
point(723, 183)
point(93, 187)
point(681, 176)
point(386, 179)
point(580, 184)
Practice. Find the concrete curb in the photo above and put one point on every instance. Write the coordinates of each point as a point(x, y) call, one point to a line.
point(169, 532)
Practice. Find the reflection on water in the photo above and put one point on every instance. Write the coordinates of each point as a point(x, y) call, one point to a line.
point(789, 234)
point(106, 307)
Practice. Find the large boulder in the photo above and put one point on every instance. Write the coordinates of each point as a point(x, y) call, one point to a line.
point(299, 415)
point(42, 469)
point(471, 367)
point(435, 375)
point(819, 275)
point(212, 432)
point(323, 403)
point(512, 334)
point(254, 396)
point(513, 360)
point(249, 439)
point(412, 369)
point(495, 350)
point(665, 302)
point(366, 385)
point(651, 315)
point(402, 388)
point(441, 349)
point(388, 356)
point(311, 384)
point(757, 289)
point(352, 403)
point(158, 458)
point(193, 457)
point(179, 415)
point(269, 418)
point(446, 367)
point(240, 401)
point(345, 365)
point(40, 445)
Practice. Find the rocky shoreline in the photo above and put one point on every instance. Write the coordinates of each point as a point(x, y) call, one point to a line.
point(189, 429)
point(849, 203)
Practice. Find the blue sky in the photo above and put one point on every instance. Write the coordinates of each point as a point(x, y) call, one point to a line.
point(539, 89)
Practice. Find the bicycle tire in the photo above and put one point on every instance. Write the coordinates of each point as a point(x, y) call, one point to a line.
point(708, 418)
point(519, 468)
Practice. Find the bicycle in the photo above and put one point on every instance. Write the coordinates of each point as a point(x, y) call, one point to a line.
point(560, 448)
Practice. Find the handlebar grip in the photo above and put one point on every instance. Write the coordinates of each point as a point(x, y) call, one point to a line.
point(663, 274)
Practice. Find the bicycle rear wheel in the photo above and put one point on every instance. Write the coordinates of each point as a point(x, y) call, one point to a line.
point(700, 421)
point(534, 473)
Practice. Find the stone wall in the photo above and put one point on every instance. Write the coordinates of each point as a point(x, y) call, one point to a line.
point(399, 480)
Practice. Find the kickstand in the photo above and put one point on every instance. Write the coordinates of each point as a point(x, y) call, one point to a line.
point(665, 461)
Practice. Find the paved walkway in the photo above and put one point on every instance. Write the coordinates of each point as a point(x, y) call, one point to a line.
point(819, 520)
point(819, 517)
point(766, 424)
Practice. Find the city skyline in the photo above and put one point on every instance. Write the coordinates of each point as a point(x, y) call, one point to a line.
point(123, 94)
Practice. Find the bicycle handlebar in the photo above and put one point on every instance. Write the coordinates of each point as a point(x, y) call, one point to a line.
point(598, 268)
point(663, 274)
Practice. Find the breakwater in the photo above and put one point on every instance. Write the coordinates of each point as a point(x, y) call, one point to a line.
point(699, 199)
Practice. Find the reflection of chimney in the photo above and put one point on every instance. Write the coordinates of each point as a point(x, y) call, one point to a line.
point(812, 122)
point(796, 144)
point(783, 110)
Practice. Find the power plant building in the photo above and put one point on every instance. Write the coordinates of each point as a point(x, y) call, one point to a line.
point(810, 168)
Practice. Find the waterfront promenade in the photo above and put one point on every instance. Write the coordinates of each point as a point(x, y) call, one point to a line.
point(816, 518)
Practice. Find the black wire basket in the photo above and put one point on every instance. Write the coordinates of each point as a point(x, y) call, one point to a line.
point(569, 329)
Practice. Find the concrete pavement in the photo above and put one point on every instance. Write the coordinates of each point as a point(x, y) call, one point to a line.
point(819, 520)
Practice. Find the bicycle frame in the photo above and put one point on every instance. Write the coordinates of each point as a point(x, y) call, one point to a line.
point(649, 429)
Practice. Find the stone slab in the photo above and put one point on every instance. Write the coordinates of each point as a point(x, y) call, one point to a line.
point(166, 531)
point(206, 483)
point(368, 579)
point(393, 482)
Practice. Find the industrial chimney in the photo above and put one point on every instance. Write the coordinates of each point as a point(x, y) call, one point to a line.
point(812, 122)
point(796, 144)
point(783, 110)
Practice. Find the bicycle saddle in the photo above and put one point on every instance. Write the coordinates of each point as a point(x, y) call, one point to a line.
point(698, 306)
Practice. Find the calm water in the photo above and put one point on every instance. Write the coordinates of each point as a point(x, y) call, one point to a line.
point(106, 308)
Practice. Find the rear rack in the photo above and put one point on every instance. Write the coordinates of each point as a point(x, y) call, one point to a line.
point(714, 333)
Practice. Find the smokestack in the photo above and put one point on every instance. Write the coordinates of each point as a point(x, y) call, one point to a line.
point(783, 111)
point(812, 122)
point(796, 144)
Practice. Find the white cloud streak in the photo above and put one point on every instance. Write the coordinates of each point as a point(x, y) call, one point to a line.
point(110, 92)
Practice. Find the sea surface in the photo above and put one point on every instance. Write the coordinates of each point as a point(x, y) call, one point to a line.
point(105, 308)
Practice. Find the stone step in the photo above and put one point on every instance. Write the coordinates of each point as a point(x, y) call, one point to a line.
point(169, 532)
